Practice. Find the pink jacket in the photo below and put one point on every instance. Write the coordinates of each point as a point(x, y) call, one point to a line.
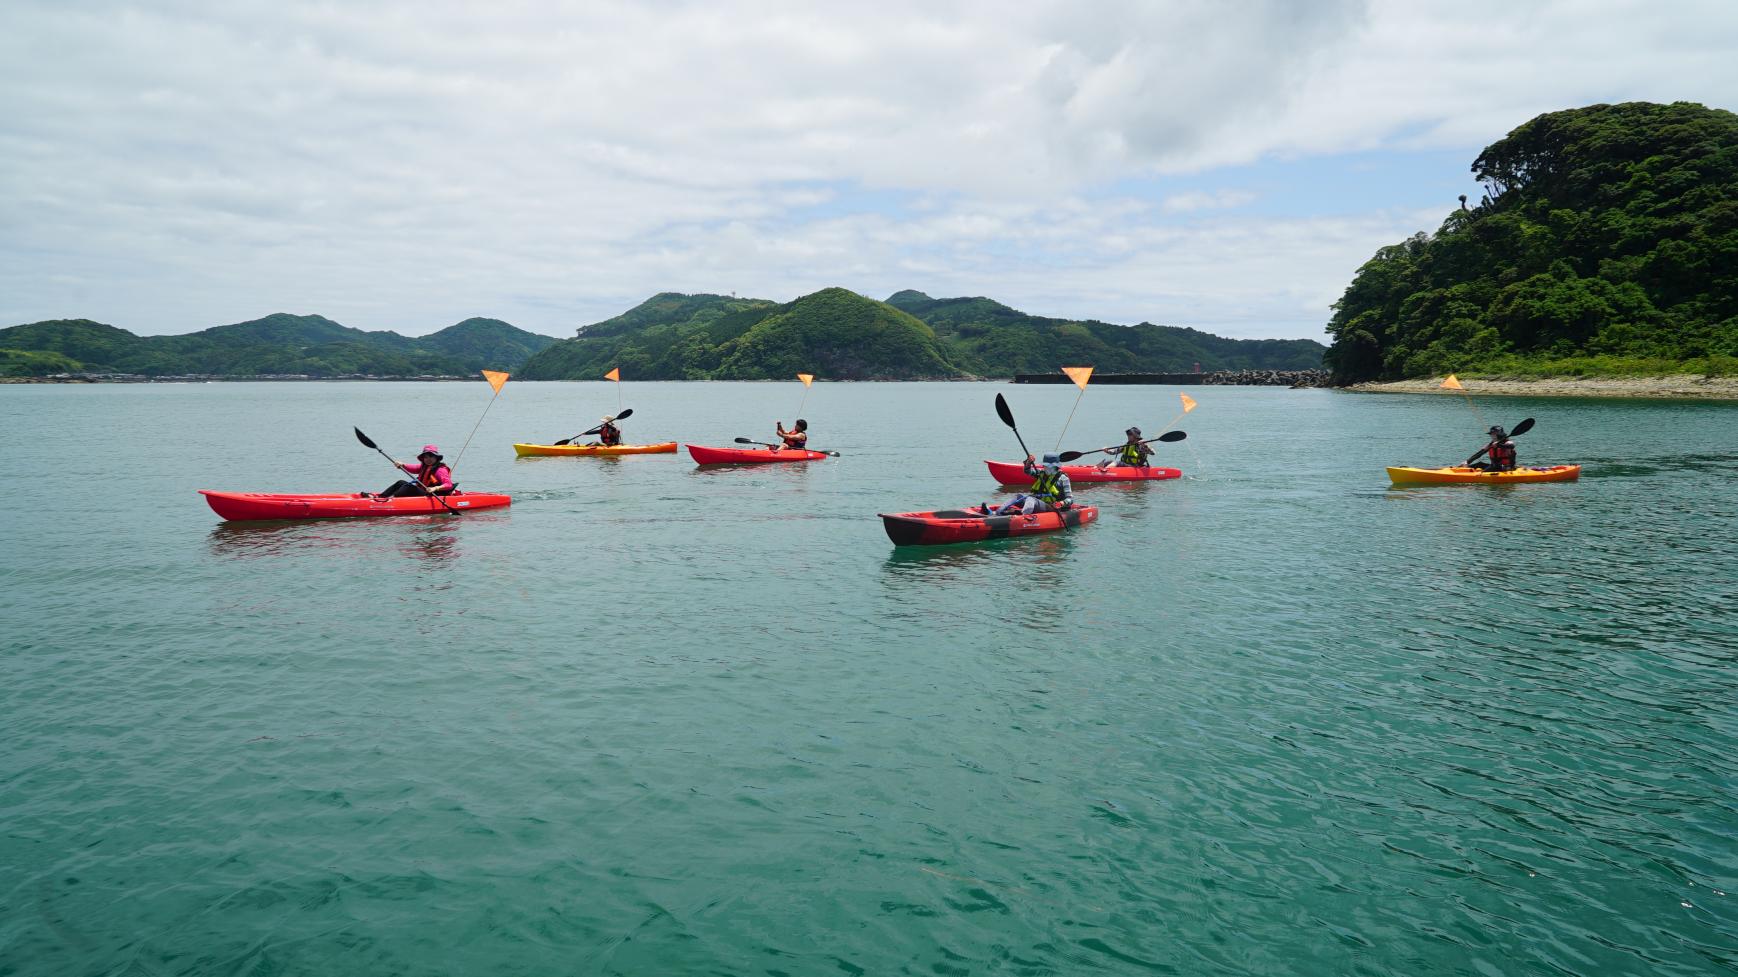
point(442, 474)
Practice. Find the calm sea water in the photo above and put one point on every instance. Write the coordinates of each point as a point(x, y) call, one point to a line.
point(1273, 718)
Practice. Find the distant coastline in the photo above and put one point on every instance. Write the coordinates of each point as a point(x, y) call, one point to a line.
point(1684, 386)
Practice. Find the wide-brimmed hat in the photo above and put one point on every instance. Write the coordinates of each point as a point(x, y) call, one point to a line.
point(429, 449)
point(609, 418)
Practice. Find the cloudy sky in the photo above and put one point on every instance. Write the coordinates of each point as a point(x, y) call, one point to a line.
point(172, 165)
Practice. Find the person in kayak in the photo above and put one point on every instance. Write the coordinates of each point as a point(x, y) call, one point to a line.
point(609, 435)
point(1050, 490)
point(429, 472)
point(797, 437)
point(1131, 454)
point(1501, 450)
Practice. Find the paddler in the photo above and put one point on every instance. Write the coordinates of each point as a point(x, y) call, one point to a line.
point(429, 473)
point(1130, 454)
point(797, 438)
point(609, 435)
point(1501, 449)
point(1050, 490)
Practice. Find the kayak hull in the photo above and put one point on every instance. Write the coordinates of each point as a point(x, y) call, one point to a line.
point(550, 450)
point(255, 506)
point(946, 526)
point(1473, 476)
point(749, 456)
point(1011, 473)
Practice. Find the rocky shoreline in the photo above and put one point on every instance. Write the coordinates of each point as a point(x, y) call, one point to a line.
point(1682, 386)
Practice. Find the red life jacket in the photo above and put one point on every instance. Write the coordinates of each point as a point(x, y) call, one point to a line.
point(609, 434)
point(430, 474)
point(796, 439)
point(1503, 454)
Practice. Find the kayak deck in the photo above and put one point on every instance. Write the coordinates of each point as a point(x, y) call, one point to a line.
point(1012, 473)
point(1462, 475)
point(944, 526)
point(541, 450)
point(255, 506)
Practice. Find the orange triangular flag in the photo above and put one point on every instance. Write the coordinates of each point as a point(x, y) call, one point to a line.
point(1188, 403)
point(806, 378)
point(1079, 374)
point(615, 374)
point(1452, 384)
point(496, 380)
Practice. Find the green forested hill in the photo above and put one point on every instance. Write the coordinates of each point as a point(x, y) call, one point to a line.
point(990, 339)
point(842, 335)
point(834, 332)
point(276, 344)
point(1607, 242)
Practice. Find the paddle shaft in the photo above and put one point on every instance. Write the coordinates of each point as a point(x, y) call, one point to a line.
point(785, 447)
point(624, 415)
point(1520, 429)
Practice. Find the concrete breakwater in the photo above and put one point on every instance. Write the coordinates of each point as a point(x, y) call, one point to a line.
point(1222, 378)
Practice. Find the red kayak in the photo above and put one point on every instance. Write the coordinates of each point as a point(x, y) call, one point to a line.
point(1010, 473)
point(246, 506)
point(971, 525)
point(750, 456)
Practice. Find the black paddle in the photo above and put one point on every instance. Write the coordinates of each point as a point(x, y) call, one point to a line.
point(764, 444)
point(1521, 428)
point(624, 415)
point(1169, 437)
point(417, 482)
point(1007, 417)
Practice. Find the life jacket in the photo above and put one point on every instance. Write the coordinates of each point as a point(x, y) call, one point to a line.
point(1131, 454)
point(1503, 454)
point(430, 474)
point(609, 434)
point(797, 439)
point(1047, 486)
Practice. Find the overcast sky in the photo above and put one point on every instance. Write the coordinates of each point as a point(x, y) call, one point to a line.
point(173, 165)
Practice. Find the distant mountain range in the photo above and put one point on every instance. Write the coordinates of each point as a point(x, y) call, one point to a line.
point(279, 344)
point(835, 333)
point(842, 335)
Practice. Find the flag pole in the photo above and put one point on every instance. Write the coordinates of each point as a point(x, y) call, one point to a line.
point(496, 380)
point(1080, 375)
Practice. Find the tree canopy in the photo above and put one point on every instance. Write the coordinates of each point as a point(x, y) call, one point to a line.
point(1606, 241)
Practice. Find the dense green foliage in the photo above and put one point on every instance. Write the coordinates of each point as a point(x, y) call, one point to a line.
point(990, 339)
point(1607, 241)
point(842, 335)
point(834, 332)
point(275, 345)
point(27, 363)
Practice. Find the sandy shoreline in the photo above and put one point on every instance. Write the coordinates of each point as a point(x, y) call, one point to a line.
point(1682, 386)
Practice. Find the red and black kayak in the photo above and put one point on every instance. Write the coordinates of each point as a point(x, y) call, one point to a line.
point(972, 525)
point(250, 506)
point(1011, 473)
point(750, 456)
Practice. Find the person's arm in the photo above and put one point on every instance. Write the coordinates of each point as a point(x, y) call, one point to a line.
point(445, 475)
point(1067, 491)
point(411, 468)
point(1030, 469)
point(1481, 451)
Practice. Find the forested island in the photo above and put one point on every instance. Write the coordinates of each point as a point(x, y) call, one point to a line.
point(1606, 244)
point(277, 345)
point(835, 333)
point(842, 335)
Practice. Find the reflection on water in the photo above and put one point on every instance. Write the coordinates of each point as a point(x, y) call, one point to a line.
point(427, 539)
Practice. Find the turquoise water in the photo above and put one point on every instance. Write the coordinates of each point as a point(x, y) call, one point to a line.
point(1272, 718)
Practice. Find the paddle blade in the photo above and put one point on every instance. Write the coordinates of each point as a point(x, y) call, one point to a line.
point(1003, 412)
point(1068, 456)
point(364, 439)
point(1171, 437)
point(1522, 428)
point(624, 415)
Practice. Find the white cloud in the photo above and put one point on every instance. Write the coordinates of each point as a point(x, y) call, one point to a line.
point(404, 165)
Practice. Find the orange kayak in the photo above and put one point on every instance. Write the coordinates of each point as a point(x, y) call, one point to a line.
point(538, 450)
point(1460, 475)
